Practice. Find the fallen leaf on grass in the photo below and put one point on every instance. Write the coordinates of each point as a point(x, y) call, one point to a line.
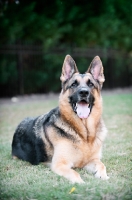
point(72, 190)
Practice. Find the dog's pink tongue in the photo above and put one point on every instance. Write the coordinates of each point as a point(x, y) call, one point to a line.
point(83, 110)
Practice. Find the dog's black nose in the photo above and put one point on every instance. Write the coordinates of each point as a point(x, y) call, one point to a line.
point(83, 92)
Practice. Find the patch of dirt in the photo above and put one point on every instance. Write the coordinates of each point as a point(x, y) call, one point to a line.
point(29, 98)
point(46, 97)
point(118, 91)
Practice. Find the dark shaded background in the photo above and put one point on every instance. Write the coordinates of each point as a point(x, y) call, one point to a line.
point(35, 36)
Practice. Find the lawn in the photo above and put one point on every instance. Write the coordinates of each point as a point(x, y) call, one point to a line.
point(21, 181)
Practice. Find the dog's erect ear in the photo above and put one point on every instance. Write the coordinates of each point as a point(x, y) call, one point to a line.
point(96, 69)
point(68, 69)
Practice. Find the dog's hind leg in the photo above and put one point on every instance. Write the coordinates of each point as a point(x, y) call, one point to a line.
point(15, 157)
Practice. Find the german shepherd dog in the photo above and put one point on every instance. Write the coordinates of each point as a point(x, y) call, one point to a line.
point(71, 135)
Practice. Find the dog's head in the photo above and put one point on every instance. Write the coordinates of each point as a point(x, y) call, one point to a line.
point(81, 87)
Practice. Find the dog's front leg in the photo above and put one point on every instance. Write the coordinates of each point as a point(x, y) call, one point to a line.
point(97, 168)
point(62, 167)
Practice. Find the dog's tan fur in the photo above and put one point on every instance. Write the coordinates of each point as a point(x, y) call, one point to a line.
point(82, 144)
point(85, 152)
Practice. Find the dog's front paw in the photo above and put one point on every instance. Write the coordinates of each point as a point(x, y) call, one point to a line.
point(77, 180)
point(101, 175)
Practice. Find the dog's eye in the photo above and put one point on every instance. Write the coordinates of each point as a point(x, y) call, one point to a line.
point(74, 84)
point(90, 84)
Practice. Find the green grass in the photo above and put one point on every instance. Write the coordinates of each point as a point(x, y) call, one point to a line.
point(20, 180)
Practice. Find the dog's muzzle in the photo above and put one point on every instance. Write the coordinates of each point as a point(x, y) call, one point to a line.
point(82, 106)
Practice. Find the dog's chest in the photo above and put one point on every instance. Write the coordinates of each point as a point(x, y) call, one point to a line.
point(78, 150)
point(85, 152)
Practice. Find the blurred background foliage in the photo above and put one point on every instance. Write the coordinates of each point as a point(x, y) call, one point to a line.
point(105, 24)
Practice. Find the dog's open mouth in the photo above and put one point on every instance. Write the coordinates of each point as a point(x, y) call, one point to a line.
point(83, 109)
